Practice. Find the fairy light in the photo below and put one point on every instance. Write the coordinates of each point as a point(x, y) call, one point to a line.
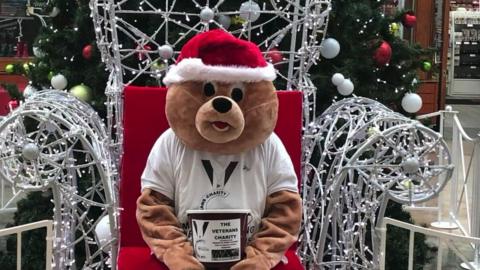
point(357, 127)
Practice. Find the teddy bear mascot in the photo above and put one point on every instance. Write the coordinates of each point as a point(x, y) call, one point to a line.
point(220, 153)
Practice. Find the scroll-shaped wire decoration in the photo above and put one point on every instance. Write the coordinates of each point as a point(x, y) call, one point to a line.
point(56, 144)
point(139, 39)
point(362, 154)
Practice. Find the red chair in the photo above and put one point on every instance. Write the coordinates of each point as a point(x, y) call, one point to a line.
point(144, 121)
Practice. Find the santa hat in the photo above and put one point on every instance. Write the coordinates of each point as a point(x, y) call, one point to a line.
point(219, 56)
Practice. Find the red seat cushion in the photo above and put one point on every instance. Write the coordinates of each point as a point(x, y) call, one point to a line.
point(131, 258)
point(144, 121)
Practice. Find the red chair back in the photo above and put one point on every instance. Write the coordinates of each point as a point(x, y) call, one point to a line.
point(144, 121)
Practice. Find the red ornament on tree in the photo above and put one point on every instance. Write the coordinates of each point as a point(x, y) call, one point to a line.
point(142, 52)
point(274, 56)
point(409, 19)
point(87, 52)
point(383, 54)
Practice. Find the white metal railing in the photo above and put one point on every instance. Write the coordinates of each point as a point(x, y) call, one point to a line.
point(445, 240)
point(18, 230)
point(465, 185)
point(463, 196)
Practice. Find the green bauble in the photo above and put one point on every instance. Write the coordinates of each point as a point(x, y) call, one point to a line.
point(157, 66)
point(50, 75)
point(394, 27)
point(82, 92)
point(426, 66)
point(9, 68)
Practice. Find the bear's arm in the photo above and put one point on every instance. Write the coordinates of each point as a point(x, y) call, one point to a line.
point(162, 232)
point(278, 231)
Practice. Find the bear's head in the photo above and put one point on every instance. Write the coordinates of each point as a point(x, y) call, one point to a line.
point(220, 97)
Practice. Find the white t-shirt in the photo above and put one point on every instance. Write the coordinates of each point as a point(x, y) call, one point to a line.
point(203, 180)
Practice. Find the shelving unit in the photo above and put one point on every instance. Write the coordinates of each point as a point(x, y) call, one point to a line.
point(464, 54)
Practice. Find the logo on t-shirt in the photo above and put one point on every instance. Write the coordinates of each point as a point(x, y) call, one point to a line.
point(218, 191)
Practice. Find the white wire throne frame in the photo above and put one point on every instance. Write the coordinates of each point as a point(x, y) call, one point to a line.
point(139, 39)
point(362, 154)
point(356, 156)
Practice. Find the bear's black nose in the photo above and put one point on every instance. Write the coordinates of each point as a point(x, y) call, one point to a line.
point(222, 105)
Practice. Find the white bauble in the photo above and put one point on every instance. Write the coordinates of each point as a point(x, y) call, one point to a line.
point(411, 102)
point(38, 52)
point(29, 91)
point(207, 14)
point(225, 21)
point(337, 79)
point(103, 232)
point(165, 51)
point(330, 48)
point(59, 82)
point(250, 11)
point(346, 88)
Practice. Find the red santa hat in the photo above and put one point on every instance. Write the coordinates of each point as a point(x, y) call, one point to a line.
point(219, 56)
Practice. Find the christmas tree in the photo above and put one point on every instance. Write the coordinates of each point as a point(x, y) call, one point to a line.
point(65, 52)
point(374, 60)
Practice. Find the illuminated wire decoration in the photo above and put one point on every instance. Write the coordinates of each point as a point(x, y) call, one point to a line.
point(55, 144)
point(357, 155)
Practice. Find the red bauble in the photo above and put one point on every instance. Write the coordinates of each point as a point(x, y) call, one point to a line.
point(409, 20)
point(87, 52)
point(142, 53)
point(274, 56)
point(383, 54)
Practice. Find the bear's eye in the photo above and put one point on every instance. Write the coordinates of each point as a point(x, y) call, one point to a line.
point(209, 89)
point(237, 94)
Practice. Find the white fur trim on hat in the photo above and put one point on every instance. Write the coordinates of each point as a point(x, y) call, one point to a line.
point(193, 69)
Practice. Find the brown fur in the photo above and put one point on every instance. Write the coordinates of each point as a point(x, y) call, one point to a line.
point(162, 233)
point(279, 230)
point(187, 104)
